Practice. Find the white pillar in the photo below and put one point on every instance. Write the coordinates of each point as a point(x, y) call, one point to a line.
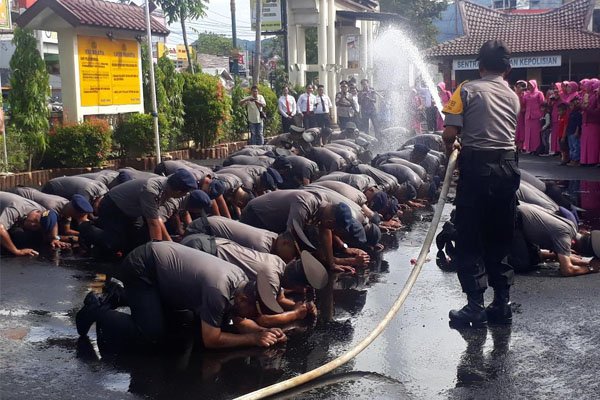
point(370, 51)
point(322, 42)
point(344, 51)
point(301, 53)
point(364, 43)
point(292, 53)
point(331, 75)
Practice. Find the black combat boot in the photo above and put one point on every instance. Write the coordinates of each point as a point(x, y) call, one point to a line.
point(92, 308)
point(473, 314)
point(499, 312)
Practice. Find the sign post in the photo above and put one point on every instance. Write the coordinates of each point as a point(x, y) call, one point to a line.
point(5, 22)
point(152, 84)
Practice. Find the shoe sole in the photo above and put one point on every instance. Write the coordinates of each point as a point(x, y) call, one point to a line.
point(460, 324)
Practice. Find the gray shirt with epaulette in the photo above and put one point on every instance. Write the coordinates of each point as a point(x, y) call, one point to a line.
point(489, 114)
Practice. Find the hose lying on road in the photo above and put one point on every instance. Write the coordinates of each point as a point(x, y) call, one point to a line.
point(344, 358)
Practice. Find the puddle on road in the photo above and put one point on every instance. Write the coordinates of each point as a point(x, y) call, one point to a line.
point(347, 312)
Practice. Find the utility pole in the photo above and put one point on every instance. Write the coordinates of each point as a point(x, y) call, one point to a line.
point(234, 67)
point(257, 44)
point(284, 29)
point(152, 84)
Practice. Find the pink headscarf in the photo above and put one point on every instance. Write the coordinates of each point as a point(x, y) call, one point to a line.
point(445, 94)
point(558, 86)
point(573, 94)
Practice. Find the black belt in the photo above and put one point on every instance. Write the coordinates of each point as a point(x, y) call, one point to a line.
point(489, 155)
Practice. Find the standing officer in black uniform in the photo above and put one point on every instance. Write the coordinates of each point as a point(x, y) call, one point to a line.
point(483, 113)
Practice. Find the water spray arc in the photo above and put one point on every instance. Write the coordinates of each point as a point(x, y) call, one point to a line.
point(412, 278)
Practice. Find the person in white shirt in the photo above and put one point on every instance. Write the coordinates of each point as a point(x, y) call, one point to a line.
point(254, 105)
point(287, 108)
point(323, 105)
point(306, 107)
point(355, 104)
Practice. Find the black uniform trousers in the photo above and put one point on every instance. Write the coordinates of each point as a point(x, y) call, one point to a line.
point(485, 217)
point(114, 231)
point(323, 120)
point(308, 121)
point(286, 123)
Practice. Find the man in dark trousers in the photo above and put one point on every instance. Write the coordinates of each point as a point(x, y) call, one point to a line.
point(483, 114)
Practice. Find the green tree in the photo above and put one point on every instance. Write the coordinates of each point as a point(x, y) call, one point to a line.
point(169, 90)
point(272, 125)
point(238, 121)
point(206, 107)
point(146, 79)
point(211, 43)
point(30, 88)
point(420, 15)
point(180, 10)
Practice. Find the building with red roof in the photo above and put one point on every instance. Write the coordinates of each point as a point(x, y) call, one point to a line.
point(547, 45)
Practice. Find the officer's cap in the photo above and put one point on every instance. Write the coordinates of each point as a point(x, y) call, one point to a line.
point(494, 55)
point(81, 204)
point(262, 290)
point(296, 129)
point(356, 232)
point(380, 201)
point(48, 220)
point(270, 154)
point(282, 162)
point(182, 180)
point(421, 148)
point(198, 200)
point(343, 216)
point(350, 125)
point(216, 189)
point(307, 271)
point(266, 181)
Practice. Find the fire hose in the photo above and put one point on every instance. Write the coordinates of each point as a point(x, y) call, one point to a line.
point(412, 278)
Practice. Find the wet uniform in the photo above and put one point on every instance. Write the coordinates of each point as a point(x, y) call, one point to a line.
point(353, 194)
point(357, 181)
point(486, 110)
point(301, 168)
point(123, 210)
point(385, 181)
point(546, 230)
point(169, 167)
point(48, 201)
point(344, 152)
point(417, 169)
point(529, 194)
point(432, 140)
point(164, 277)
point(14, 208)
point(276, 211)
point(326, 159)
point(248, 236)
point(263, 161)
point(106, 176)
point(250, 261)
point(403, 174)
point(67, 186)
point(247, 173)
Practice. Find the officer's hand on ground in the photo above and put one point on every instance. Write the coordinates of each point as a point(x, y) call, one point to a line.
point(26, 252)
point(265, 338)
point(281, 337)
point(343, 269)
point(57, 244)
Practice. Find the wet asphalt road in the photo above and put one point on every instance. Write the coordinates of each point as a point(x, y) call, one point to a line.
point(551, 350)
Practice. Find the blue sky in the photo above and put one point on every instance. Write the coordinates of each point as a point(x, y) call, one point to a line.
point(217, 20)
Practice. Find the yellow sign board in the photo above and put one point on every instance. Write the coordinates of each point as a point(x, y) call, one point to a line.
point(5, 14)
point(174, 52)
point(108, 71)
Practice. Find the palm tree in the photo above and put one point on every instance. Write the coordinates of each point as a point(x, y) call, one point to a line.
point(180, 10)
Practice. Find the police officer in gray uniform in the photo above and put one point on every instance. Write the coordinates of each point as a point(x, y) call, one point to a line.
point(483, 114)
point(67, 186)
point(163, 278)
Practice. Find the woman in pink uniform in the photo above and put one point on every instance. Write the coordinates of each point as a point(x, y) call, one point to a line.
point(445, 97)
point(520, 88)
point(533, 100)
point(554, 101)
point(416, 108)
point(590, 128)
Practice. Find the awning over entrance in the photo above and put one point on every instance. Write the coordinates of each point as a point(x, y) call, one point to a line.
point(371, 16)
